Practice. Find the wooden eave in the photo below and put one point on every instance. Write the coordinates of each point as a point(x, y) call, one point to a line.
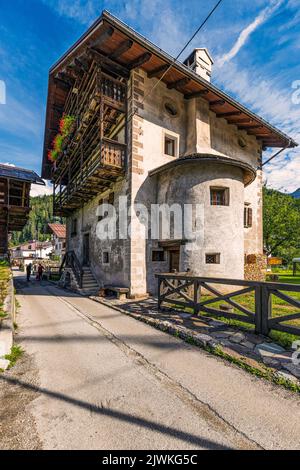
point(123, 48)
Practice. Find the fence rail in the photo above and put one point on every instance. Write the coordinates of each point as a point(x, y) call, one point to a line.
point(187, 291)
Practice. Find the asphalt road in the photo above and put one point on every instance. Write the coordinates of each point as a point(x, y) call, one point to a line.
point(93, 378)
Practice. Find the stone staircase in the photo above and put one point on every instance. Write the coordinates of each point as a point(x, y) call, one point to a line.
point(89, 284)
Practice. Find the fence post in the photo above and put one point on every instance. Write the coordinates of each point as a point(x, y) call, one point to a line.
point(258, 309)
point(196, 289)
point(266, 309)
point(159, 292)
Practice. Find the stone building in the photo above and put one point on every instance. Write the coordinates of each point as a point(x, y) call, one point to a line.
point(158, 132)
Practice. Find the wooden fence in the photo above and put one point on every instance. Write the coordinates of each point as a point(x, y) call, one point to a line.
point(186, 292)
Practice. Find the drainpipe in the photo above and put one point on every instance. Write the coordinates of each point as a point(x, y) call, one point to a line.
point(277, 153)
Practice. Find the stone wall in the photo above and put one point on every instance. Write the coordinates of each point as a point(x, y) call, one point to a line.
point(197, 130)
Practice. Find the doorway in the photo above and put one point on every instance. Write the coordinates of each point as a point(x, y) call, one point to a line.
point(86, 249)
point(174, 259)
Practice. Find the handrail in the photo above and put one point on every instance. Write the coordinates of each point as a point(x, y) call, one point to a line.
point(70, 260)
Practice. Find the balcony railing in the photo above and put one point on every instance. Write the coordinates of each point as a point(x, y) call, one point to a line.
point(108, 160)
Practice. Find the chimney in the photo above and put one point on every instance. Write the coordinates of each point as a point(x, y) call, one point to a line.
point(201, 62)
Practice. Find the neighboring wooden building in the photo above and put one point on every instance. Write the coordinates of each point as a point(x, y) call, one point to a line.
point(15, 184)
point(178, 140)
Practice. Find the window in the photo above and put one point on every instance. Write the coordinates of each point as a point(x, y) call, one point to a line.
point(213, 258)
point(248, 216)
point(74, 228)
point(170, 146)
point(171, 109)
point(219, 196)
point(105, 257)
point(158, 256)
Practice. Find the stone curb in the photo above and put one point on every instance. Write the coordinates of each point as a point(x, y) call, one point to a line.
point(209, 344)
point(7, 327)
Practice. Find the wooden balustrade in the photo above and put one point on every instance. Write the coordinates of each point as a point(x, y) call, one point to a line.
point(186, 292)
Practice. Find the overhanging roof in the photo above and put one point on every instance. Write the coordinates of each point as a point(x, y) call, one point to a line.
point(126, 49)
point(200, 158)
point(13, 172)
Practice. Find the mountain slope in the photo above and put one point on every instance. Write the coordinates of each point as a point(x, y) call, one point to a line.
point(40, 216)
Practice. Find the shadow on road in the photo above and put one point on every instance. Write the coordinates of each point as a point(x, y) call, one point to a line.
point(120, 416)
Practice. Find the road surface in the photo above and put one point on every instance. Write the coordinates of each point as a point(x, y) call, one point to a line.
point(93, 378)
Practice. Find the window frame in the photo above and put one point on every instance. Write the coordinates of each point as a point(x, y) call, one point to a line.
point(217, 258)
point(104, 253)
point(175, 139)
point(162, 252)
point(248, 216)
point(226, 196)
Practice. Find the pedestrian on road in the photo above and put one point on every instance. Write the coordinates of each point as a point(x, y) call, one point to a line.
point(28, 271)
point(40, 272)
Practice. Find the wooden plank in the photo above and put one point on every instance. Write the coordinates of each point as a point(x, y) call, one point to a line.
point(158, 71)
point(101, 58)
point(227, 298)
point(62, 84)
point(102, 37)
point(198, 94)
point(123, 47)
point(229, 114)
point(217, 103)
point(233, 316)
point(179, 83)
point(287, 298)
point(142, 59)
point(276, 320)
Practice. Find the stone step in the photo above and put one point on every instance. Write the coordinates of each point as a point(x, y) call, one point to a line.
point(90, 284)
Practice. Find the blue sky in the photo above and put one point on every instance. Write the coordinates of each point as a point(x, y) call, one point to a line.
point(256, 47)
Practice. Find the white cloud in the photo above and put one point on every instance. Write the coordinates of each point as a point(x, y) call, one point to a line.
point(84, 11)
point(274, 104)
point(38, 190)
point(244, 35)
point(283, 173)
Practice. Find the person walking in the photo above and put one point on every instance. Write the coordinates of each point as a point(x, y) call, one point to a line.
point(40, 272)
point(28, 271)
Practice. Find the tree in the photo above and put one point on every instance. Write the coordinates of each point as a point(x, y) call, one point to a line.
point(281, 223)
point(40, 216)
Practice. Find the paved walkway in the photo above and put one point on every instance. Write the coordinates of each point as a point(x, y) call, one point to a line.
point(93, 378)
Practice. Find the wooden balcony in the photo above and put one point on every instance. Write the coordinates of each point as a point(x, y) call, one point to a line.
point(97, 173)
point(94, 156)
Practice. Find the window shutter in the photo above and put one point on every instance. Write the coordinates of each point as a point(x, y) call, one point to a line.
point(245, 217)
point(250, 216)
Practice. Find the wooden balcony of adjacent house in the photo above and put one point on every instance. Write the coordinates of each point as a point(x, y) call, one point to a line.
point(94, 156)
point(14, 203)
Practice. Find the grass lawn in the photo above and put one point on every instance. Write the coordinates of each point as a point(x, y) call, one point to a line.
point(4, 278)
point(279, 307)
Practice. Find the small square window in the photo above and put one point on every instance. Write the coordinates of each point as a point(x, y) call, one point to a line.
point(219, 196)
point(105, 257)
point(158, 256)
point(248, 216)
point(213, 258)
point(170, 145)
